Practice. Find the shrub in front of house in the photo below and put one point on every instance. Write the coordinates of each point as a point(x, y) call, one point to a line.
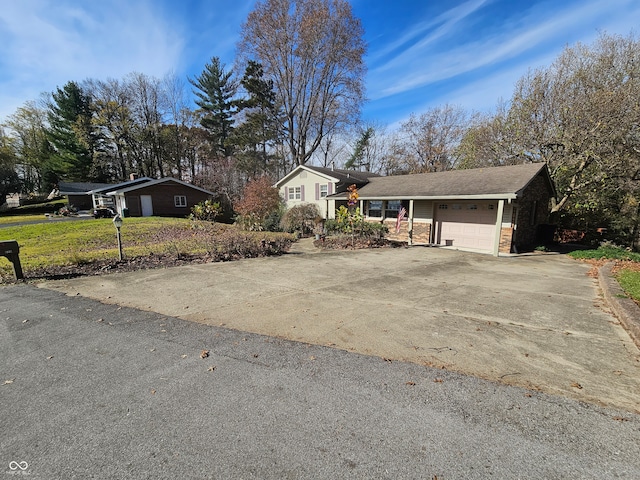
point(301, 218)
point(350, 230)
point(206, 211)
point(234, 245)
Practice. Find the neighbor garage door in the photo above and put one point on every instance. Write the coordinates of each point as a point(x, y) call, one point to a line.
point(466, 224)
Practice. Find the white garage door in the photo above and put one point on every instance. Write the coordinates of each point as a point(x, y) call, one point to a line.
point(466, 224)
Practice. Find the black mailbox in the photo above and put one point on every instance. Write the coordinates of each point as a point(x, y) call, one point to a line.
point(11, 250)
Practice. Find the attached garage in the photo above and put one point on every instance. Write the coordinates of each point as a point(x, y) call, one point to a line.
point(491, 210)
point(465, 225)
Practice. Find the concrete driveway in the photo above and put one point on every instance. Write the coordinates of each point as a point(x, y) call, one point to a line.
point(533, 321)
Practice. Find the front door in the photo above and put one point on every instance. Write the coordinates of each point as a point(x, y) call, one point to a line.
point(147, 205)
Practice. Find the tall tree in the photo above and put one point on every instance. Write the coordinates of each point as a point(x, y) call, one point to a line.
point(313, 51)
point(71, 132)
point(115, 124)
point(580, 116)
point(359, 157)
point(429, 140)
point(9, 180)
point(26, 129)
point(215, 90)
point(257, 131)
point(146, 98)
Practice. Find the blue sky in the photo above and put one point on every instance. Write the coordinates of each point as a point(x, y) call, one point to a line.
point(421, 53)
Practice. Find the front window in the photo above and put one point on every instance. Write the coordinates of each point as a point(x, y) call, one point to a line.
point(180, 200)
point(294, 193)
point(324, 190)
point(393, 207)
point(374, 208)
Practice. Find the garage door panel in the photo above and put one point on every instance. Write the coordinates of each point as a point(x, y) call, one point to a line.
point(467, 227)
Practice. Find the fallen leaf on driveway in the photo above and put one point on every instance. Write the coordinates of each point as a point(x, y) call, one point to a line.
point(153, 392)
point(437, 380)
point(8, 382)
point(25, 321)
point(620, 419)
point(211, 368)
point(410, 383)
point(184, 356)
point(204, 353)
point(576, 385)
point(49, 357)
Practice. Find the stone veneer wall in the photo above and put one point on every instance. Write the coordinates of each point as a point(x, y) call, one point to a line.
point(421, 231)
point(506, 235)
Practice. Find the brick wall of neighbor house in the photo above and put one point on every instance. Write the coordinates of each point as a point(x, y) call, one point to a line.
point(506, 236)
point(163, 201)
point(421, 232)
point(535, 195)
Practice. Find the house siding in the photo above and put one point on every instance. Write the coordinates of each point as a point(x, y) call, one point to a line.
point(163, 199)
point(309, 183)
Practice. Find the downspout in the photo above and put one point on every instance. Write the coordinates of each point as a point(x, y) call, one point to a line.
point(496, 243)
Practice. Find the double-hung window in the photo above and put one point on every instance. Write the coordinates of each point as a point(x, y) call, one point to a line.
point(180, 200)
point(295, 193)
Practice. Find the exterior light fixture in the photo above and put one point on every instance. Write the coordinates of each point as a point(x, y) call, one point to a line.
point(117, 222)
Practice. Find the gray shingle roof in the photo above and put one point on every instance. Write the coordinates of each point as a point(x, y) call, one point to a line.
point(79, 188)
point(344, 175)
point(500, 181)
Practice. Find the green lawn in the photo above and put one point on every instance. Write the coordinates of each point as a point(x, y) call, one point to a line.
point(630, 282)
point(629, 278)
point(80, 242)
point(19, 218)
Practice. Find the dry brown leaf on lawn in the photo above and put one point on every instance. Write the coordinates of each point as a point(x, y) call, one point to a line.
point(576, 385)
point(204, 353)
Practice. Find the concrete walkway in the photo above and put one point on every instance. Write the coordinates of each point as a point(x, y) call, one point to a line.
point(533, 321)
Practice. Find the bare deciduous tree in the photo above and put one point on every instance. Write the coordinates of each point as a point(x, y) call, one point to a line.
point(313, 51)
point(427, 142)
point(580, 116)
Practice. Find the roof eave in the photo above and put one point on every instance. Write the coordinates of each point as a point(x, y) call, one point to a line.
point(487, 196)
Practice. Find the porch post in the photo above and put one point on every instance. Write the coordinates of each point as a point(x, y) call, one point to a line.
point(496, 243)
point(410, 222)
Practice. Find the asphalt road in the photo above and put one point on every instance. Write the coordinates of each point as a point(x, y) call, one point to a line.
point(91, 390)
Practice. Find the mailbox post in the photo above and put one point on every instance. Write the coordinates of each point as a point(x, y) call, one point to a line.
point(117, 221)
point(11, 250)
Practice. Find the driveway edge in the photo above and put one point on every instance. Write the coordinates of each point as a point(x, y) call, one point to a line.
point(627, 311)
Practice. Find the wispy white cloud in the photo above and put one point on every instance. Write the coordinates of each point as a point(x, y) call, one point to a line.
point(444, 22)
point(442, 25)
point(44, 44)
point(418, 67)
